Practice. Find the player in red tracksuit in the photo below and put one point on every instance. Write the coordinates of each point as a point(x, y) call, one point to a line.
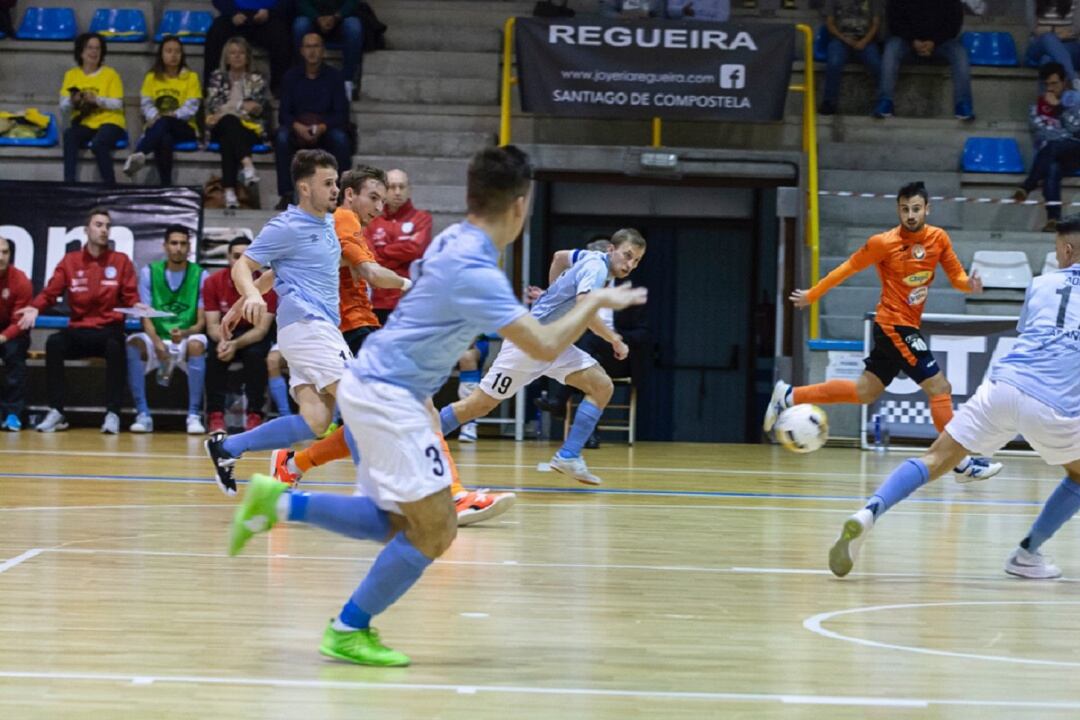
point(398, 237)
point(15, 294)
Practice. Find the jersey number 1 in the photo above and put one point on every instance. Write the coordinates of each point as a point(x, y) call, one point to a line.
point(1064, 292)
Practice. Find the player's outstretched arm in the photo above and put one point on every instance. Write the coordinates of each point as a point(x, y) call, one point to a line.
point(872, 252)
point(243, 276)
point(601, 330)
point(378, 276)
point(560, 261)
point(546, 342)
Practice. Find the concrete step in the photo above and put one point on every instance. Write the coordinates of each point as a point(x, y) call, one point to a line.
point(927, 156)
point(432, 170)
point(457, 38)
point(449, 13)
point(429, 121)
point(440, 198)
point(430, 90)
point(887, 181)
point(433, 64)
point(842, 327)
point(424, 143)
point(914, 131)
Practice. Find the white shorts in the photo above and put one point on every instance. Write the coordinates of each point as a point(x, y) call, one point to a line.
point(401, 454)
point(152, 362)
point(316, 352)
point(513, 369)
point(997, 412)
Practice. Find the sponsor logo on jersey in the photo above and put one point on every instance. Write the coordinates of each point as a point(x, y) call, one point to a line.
point(918, 251)
point(918, 295)
point(110, 272)
point(407, 227)
point(920, 278)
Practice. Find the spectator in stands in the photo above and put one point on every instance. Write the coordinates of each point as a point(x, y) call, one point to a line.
point(336, 21)
point(171, 285)
point(96, 279)
point(171, 95)
point(712, 10)
point(92, 105)
point(853, 28)
point(923, 30)
point(313, 113)
point(237, 108)
point(6, 6)
point(15, 294)
point(633, 9)
point(398, 237)
point(1055, 130)
point(249, 345)
point(263, 23)
point(1055, 30)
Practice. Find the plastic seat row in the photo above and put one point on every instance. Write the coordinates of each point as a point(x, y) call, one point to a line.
point(118, 25)
point(993, 49)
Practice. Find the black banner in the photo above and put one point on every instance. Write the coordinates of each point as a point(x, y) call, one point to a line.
point(46, 220)
point(964, 347)
point(643, 69)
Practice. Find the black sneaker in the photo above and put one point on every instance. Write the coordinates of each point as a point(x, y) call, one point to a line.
point(593, 443)
point(557, 410)
point(223, 462)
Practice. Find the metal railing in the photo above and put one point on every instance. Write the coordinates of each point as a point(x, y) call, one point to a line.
point(809, 143)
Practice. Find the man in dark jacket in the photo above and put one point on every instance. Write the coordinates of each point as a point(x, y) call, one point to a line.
point(262, 23)
point(922, 30)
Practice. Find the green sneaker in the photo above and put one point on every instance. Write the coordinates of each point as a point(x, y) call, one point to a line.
point(362, 647)
point(330, 430)
point(257, 512)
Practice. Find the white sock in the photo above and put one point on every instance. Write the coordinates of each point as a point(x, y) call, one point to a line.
point(342, 627)
point(292, 467)
point(284, 506)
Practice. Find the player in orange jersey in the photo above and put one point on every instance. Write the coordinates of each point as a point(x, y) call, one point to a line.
point(363, 194)
point(906, 258)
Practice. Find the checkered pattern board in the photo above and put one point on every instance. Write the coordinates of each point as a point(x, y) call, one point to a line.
point(908, 412)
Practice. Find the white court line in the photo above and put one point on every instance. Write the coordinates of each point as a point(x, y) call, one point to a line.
point(787, 699)
point(39, 508)
point(813, 624)
point(28, 555)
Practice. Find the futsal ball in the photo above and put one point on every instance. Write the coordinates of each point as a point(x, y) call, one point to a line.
point(802, 428)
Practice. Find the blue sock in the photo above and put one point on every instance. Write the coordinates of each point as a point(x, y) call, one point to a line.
point(279, 432)
point(906, 479)
point(396, 569)
point(588, 415)
point(449, 420)
point(1059, 508)
point(279, 392)
point(353, 516)
point(136, 368)
point(469, 376)
point(196, 379)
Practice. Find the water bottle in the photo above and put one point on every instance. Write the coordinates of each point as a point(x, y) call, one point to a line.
point(165, 369)
point(878, 440)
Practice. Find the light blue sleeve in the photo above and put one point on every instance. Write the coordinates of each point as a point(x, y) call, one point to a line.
point(274, 241)
point(1021, 324)
point(592, 275)
point(484, 297)
point(145, 295)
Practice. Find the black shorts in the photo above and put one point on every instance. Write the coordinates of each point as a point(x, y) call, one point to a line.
point(899, 349)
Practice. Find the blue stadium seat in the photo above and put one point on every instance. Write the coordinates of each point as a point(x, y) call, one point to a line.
point(190, 26)
point(997, 49)
point(53, 23)
point(58, 322)
point(52, 137)
point(992, 155)
point(259, 149)
point(122, 25)
point(186, 146)
point(120, 144)
point(821, 44)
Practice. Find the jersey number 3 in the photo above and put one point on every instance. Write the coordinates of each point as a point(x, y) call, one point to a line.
point(438, 470)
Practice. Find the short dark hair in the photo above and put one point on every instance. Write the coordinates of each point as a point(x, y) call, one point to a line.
point(80, 45)
point(239, 240)
point(1069, 225)
point(97, 210)
point(497, 177)
point(1050, 69)
point(359, 175)
point(178, 230)
point(913, 189)
point(628, 235)
point(305, 162)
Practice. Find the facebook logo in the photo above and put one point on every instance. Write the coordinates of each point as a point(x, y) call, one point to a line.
point(732, 77)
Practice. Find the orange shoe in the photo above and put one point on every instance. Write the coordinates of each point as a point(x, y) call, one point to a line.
point(477, 506)
point(279, 467)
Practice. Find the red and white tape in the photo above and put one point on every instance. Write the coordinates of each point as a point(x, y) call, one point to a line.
point(946, 198)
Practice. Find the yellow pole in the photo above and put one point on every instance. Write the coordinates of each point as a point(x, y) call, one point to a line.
point(508, 81)
point(813, 230)
point(657, 132)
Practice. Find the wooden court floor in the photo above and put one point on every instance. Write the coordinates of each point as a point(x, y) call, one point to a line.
point(692, 584)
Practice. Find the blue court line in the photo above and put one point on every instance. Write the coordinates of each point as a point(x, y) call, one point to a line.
point(556, 490)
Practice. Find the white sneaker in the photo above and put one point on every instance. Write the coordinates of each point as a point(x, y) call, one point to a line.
point(111, 425)
point(231, 201)
point(976, 469)
point(194, 425)
point(54, 421)
point(777, 404)
point(143, 424)
point(575, 468)
point(134, 163)
point(1032, 565)
point(248, 176)
point(467, 434)
point(843, 552)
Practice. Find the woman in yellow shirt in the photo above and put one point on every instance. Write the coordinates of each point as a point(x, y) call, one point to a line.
point(171, 95)
point(92, 105)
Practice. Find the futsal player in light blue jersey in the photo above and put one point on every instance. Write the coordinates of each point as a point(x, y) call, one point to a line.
point(1034, 391)
point(513, 368)
point(301, 247)
point(403, 476)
